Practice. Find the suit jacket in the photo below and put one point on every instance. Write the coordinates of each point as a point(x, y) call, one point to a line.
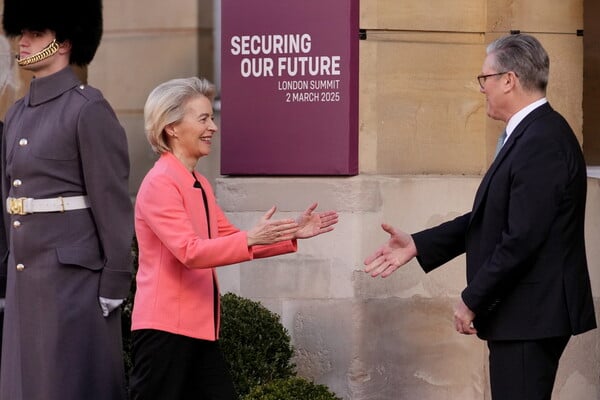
point(527, 275)
point(176, 279)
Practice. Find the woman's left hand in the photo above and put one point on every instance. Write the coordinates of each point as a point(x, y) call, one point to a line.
point(312, 224)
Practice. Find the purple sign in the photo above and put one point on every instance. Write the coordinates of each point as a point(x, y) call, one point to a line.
point(289, 92)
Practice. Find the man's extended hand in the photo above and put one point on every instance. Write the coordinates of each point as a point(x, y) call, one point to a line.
point(398, 250)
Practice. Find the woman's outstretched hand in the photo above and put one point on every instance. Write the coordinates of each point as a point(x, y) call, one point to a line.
point(311, 224)
point(268, 231)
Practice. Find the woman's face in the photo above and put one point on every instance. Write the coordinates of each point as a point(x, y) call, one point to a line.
point(191, 137)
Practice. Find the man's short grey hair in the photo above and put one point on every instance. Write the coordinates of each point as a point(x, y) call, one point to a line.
point(524, 55)
point(166, 105)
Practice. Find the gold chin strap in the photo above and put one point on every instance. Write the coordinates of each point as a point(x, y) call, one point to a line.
point(48, 51)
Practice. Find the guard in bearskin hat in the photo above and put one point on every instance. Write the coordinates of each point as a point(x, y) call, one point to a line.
point(77, 21)
point(68, 216)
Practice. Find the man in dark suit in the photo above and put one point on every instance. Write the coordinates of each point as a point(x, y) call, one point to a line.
point(528, 288)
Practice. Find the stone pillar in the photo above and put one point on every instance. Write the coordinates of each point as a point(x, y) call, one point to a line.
point(145, 43)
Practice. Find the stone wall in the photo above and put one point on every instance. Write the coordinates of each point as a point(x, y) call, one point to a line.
point(392, 338)
point(145, 43)
point(420, 106)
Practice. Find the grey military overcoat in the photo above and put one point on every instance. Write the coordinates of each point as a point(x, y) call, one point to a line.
point(63, 139)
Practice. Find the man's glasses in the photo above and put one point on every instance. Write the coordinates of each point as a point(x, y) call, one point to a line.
point(481, 78)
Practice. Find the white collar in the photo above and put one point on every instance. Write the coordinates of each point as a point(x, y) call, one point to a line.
point(521, 114)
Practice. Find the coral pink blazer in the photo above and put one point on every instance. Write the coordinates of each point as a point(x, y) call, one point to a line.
point(177, 260)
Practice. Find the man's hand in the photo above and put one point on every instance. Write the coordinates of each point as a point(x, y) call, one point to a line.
point(463, 318)
point(398, 250)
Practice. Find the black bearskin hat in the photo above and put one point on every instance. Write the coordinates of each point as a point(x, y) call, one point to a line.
point(78, 21)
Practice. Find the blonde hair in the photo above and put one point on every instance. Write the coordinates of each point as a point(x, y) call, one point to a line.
point(165, 105)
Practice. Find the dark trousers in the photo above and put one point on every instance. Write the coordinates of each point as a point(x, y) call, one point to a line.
point(524, 370)
point(169, 366)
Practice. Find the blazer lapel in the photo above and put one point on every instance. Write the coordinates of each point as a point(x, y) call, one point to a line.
point(506, 149)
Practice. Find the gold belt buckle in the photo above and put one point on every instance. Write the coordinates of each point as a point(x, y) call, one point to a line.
point(17, 206)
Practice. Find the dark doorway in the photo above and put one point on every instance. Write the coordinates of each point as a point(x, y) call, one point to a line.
point(591, 82)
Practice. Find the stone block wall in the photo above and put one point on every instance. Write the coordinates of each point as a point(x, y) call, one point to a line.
point(420, 106)
point(392, 338)
point(145, 43)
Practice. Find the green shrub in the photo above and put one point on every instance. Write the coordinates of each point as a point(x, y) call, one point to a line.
point(254, 343)
point(290, 389)
point(126, 309)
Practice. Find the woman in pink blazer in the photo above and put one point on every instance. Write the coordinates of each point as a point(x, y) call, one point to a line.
point(183, 235)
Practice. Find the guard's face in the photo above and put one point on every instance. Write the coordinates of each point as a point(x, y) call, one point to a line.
point(32, 42)
point(193, 134)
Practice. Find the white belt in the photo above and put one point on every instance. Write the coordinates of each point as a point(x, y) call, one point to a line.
point(28, 205)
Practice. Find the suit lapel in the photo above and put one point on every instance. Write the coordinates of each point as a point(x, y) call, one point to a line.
point(512, 141)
